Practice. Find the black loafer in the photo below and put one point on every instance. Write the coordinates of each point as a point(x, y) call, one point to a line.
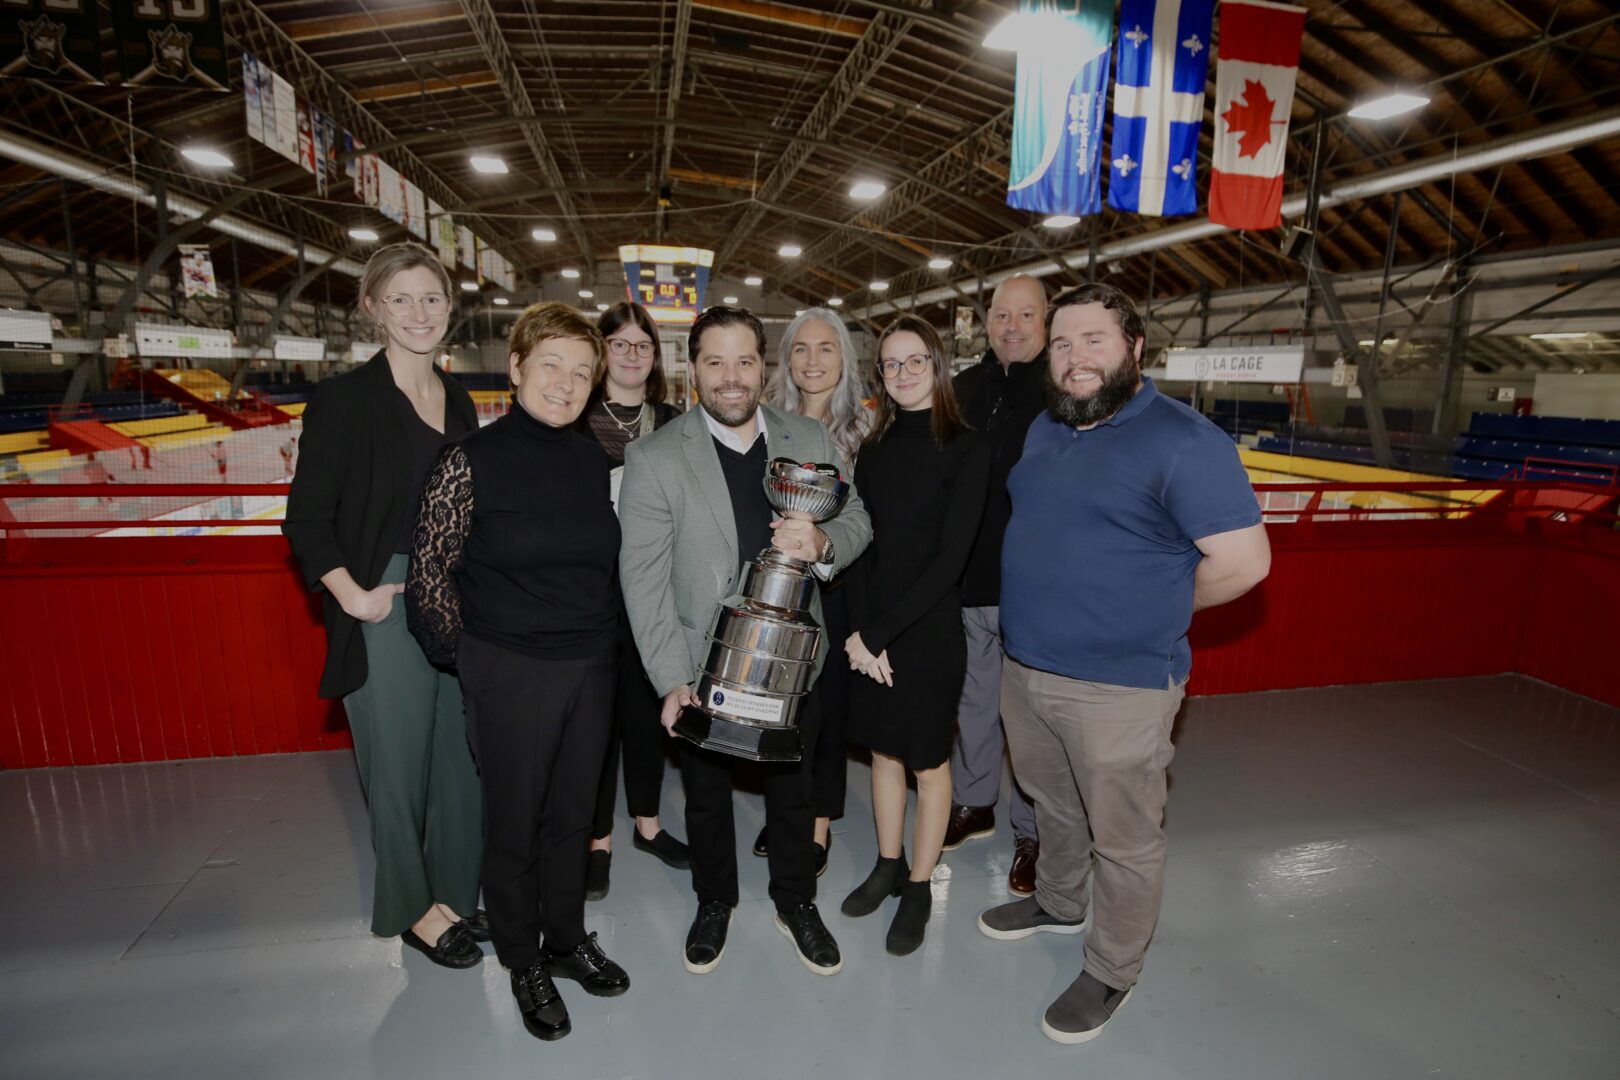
point(762, 846)
point(669, 850)
point(544, 1014)
point(589, 966)
point(596, 874)
point(477, 924)
point(821, 855)
point(456, 948)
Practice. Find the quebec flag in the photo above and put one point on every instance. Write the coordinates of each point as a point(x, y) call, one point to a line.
point(1058, 111)
point(1159, 105)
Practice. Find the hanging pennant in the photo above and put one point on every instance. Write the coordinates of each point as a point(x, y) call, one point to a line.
point(54, 40)
point(178, 43)
point(1058, 111)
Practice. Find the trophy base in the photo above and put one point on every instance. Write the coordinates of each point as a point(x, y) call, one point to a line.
point(738, 740)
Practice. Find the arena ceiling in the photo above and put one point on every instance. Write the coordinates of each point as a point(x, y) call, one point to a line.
point(739, 125)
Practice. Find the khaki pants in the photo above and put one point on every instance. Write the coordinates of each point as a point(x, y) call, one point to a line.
point(1092, 757)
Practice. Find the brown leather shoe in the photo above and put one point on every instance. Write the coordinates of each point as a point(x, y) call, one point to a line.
point(968, 823)
point(1021, 876)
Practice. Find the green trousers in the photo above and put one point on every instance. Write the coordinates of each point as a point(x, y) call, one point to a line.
point(410, 741)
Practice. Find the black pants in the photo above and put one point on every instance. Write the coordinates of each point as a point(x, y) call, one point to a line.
point(538, 730)
point(789, 823)
point(641, 737)
point(832, 705)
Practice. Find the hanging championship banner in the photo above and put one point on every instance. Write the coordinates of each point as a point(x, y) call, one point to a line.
point(284, 104)
point(56, 40)
point(252, 98)
point(171, 43)
point(197, 271)
point(1058, 111)
point(306, 138)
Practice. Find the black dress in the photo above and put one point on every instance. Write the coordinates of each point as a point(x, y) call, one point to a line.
point(925, 503)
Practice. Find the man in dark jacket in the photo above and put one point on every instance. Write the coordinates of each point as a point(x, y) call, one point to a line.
point(999, 396)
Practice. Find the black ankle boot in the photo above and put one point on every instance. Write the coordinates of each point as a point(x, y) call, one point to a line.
point(885, 879)
point(906, 932)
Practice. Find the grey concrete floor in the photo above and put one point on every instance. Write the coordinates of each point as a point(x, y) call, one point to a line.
point(1406, 880)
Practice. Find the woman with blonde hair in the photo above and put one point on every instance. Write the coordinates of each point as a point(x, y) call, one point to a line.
point(370, 436)
point(817, 375)
point(514, 581)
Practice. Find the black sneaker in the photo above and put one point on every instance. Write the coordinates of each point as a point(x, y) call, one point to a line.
point(706, 941)
point(665, 847)
point(816, 947)
point(762, 846)
point(544, 1014)
point(597, 866)
point(589, 966)
point(821, 855)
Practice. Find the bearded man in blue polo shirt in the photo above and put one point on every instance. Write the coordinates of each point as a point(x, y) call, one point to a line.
point(1129, 512)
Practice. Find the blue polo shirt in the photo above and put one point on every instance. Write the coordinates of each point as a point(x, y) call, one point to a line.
point(1097, 566)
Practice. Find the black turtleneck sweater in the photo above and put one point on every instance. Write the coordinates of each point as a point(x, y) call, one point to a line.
point(999, 403)
point(518, 543)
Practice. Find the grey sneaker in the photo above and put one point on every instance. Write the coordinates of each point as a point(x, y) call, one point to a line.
point(1080, 1012)
point(1021, 918)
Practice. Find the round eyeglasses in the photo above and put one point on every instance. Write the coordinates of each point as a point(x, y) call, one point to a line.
point(622, 347)
point(433, 304)
point(915, 364)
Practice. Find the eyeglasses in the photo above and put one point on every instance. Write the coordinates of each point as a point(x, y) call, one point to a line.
point(621, 347)
point(434, 304)
point(916, 364)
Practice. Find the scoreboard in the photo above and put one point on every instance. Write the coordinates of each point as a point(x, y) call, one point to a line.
point(670, 282)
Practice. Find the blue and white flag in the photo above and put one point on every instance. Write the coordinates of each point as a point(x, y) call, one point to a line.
point(1159, 105)
point(1058, 111)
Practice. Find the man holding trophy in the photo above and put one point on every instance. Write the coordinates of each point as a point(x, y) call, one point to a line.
point(713, 583)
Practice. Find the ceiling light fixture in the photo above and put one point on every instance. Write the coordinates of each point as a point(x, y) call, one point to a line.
point(1382, 108)
point(867, 190)
point(879, 286)
point(729, 301)
point(501, 301)
point(569, 272)
point(939, 262)
point(835, 302)
point(545, 236)
point(790, 251)
point(753, 281)
point(206, 157)
point(1060, 221)
point(586, 294)
point(1036, 31)
point(469, 286)
point(1561, 335)
point(367, 235)
point(488, 163)
point(601, 307)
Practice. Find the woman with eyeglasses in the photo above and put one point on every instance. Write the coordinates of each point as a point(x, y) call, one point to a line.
point(369, 438)
point(817, 375)
point(627, 403)
point(925, 477)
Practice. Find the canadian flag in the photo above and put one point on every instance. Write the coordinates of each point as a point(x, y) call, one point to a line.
point(1254, 94)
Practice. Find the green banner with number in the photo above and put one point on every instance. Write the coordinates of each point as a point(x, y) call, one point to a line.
point(171, 43)
point(57, 40)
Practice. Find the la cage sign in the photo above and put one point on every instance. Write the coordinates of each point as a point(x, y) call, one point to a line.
point(1268, 365)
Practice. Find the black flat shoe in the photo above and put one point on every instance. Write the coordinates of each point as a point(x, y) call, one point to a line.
point(669, 850)
point(544, 1014)
point(456, 948)
point(596, 875)
point(589, 966)
point(887, 878)
point(821, 855)
point(762, 846)
point(477, 924)
point(911, 920)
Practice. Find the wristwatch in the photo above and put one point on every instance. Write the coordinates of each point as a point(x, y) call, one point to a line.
point(828, 553)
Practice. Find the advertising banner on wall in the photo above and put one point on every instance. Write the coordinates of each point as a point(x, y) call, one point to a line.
point(1263, 365)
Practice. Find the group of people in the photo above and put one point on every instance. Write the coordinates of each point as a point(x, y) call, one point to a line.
point(515, 611)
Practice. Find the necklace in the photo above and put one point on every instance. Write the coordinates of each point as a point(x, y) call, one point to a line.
point(630, 432)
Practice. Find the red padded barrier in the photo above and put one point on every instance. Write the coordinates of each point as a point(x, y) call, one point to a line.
point(144, 649)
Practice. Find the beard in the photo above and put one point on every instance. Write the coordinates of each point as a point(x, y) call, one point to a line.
point(1117, 387)
point(729, 414)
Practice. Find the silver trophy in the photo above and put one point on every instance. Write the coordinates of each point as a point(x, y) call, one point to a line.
point(762, 644)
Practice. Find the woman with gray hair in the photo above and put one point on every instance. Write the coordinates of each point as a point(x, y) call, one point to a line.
point(818, 375)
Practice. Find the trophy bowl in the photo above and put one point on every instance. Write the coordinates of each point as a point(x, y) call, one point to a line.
point(762, 647)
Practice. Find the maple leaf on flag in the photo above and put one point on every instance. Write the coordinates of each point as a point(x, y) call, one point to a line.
point(1251, 116)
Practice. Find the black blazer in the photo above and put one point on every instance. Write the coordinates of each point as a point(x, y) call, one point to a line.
point(350, 494)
